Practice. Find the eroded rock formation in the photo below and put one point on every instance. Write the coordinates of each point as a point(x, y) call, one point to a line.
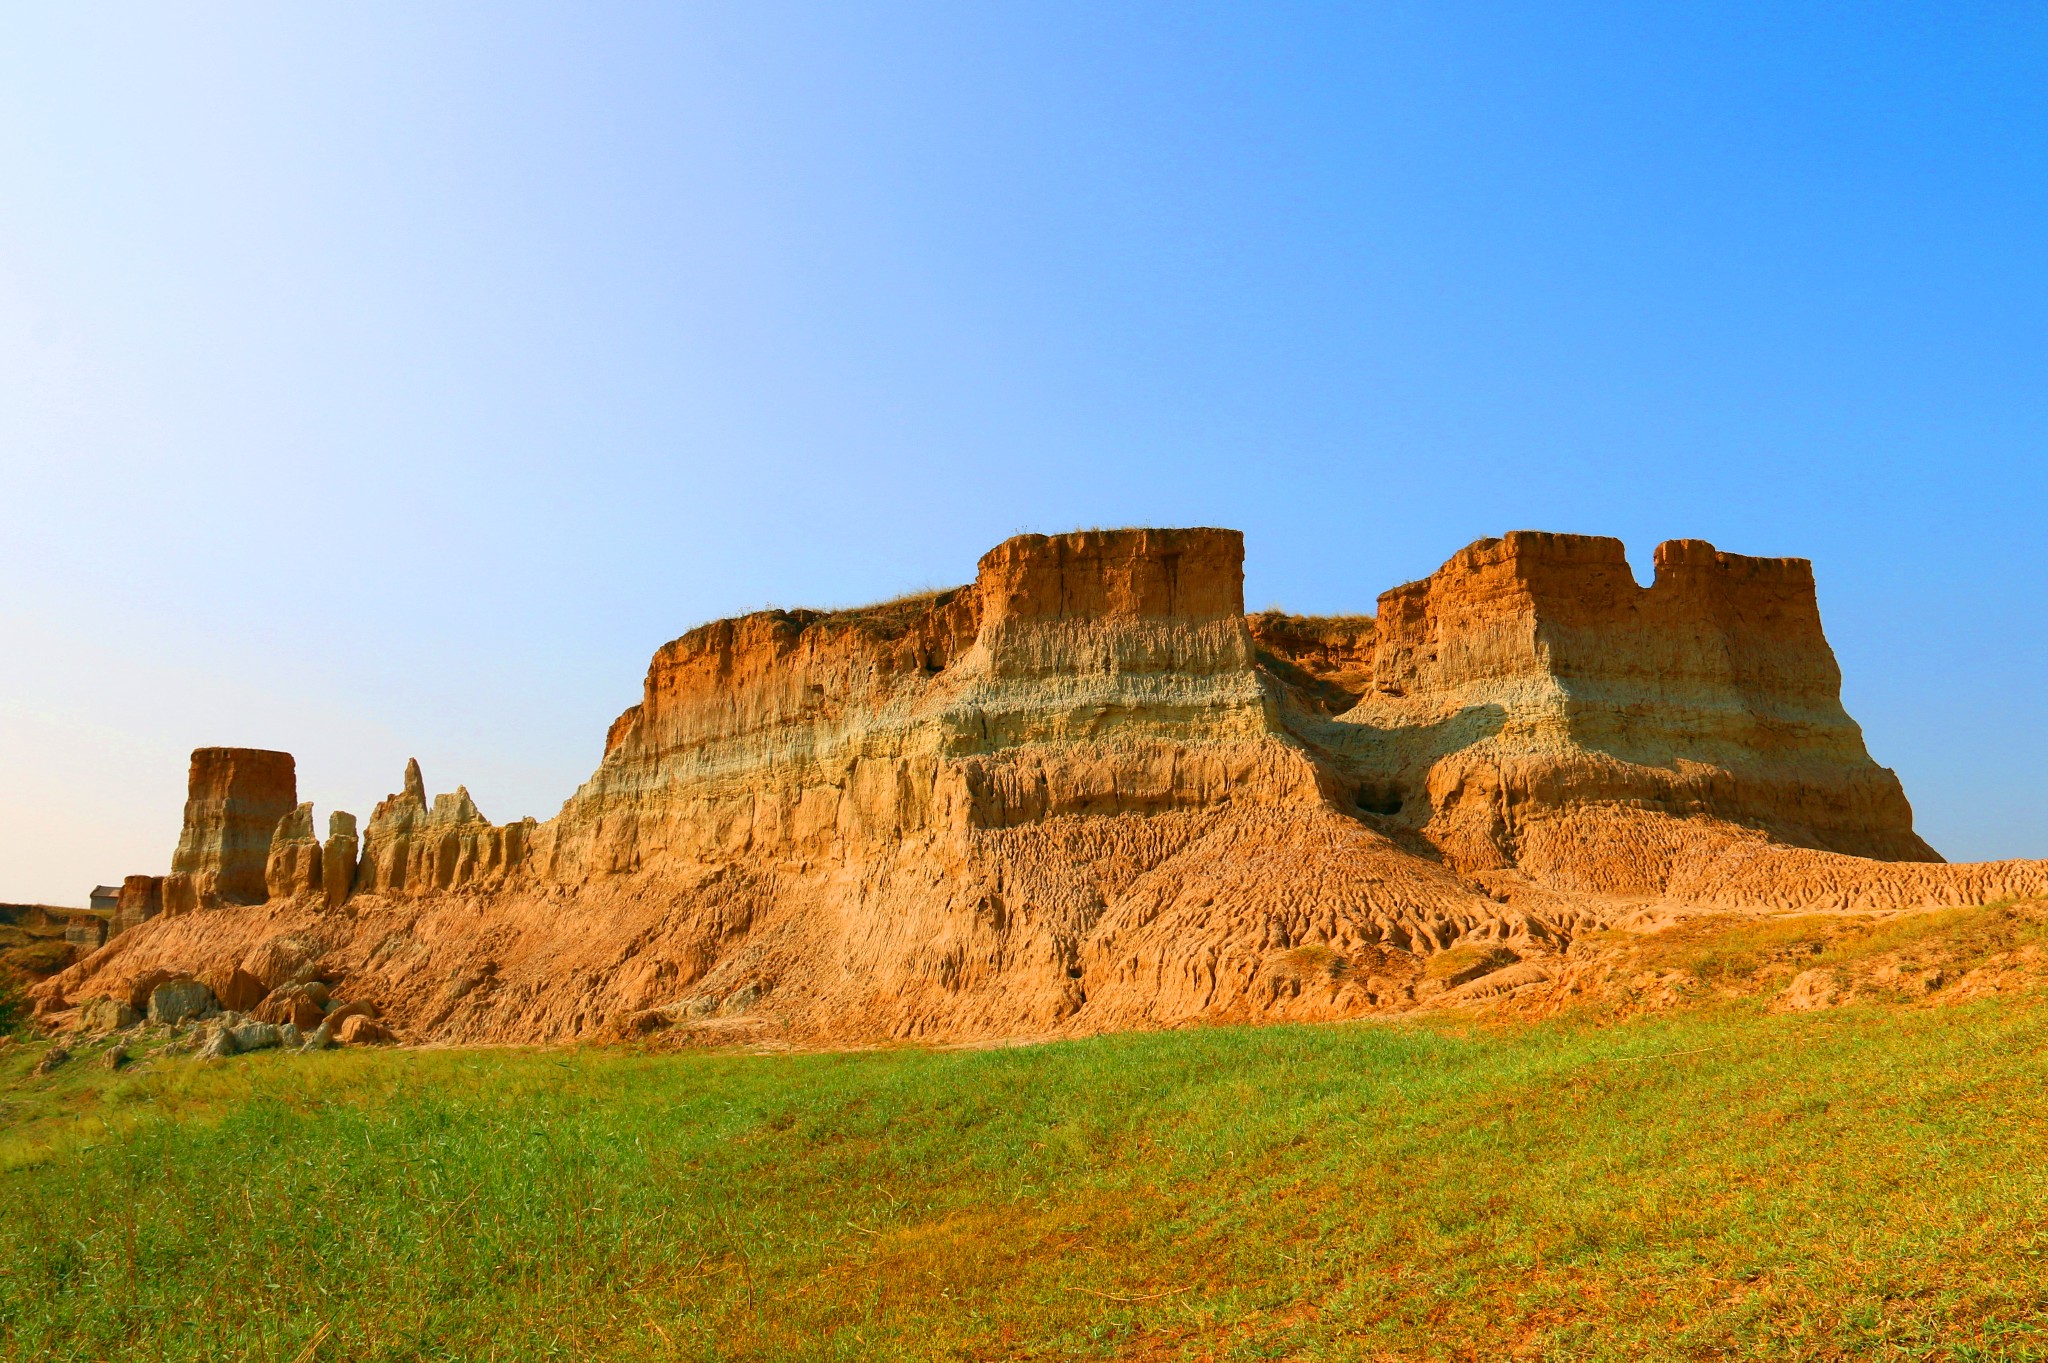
point(1086, 791)
point(235, 796)
point(142, 898)
point(1530, 680)
point(338, 858)
point(293, 867)
point(417, 848)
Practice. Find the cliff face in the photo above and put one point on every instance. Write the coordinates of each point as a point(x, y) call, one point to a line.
point(142, 898)
point(235, 797)
point(412, 847)
point(1530, 682)
point(1094, 673)
point(293, 865)
point(1086, 791)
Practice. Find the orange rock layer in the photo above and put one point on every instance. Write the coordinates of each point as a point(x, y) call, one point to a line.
point(1088, 792)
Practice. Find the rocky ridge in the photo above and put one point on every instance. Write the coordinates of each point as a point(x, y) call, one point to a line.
point(1087, 791)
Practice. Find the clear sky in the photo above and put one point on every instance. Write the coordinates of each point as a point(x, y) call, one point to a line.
point(388, 380)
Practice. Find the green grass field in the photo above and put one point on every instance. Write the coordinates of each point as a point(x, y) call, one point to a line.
point(1870, 1182)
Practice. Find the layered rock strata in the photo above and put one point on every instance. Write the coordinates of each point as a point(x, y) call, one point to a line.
point(141, 899)
point(1087, 791)
point(338, 858)
point(1531, 679)
point(413, 847)
point(235, 798)
point(1088, 674)
point(293, 867)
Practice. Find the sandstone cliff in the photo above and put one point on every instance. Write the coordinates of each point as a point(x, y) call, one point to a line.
point(1530, 680)
point(142, 898)
point(413, 847)
point(1087, 791)
point(293, 866)
point(236, 796)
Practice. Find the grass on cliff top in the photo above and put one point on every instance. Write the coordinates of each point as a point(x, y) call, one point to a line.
point(1865, 1183)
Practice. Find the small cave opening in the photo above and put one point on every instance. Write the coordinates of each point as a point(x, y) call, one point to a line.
point(1378, 798)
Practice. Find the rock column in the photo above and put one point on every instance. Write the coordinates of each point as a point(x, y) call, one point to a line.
point(294, 866)
point(142, 898)
point(338, 858)
point(234, 800)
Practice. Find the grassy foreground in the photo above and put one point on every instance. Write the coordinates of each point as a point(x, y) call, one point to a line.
point(1868, 1182)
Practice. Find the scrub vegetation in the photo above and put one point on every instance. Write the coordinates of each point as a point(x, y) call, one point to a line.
point(1863, 1182)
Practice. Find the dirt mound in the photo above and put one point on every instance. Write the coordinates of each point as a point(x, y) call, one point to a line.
point(1087, 792)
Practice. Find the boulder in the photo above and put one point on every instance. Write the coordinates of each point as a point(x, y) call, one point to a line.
point(255, 1036)
point(342, 1012)
point(322, 1038)
point(175, 1000)
point(216, 1043)
point(361, 1030)
point(312, 972)
point(237, 989)
point(290, 1037)
point(106, 1015)
point(643, 1022)
point(143, 985)
point(52, 1058)
point(116, 1057)
point(293, 1004)
point(276, 961)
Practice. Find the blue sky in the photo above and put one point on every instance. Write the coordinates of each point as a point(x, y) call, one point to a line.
point(390, 380)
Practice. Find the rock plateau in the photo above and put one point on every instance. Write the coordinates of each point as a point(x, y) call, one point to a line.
point(1085, 792)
